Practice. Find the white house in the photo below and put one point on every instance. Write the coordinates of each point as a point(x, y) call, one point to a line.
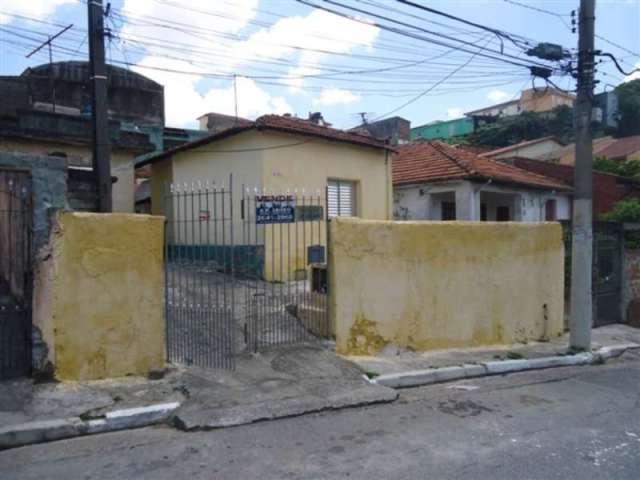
point(435, 181)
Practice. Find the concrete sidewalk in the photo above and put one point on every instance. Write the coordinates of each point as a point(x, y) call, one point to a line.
point(283, 382)
point(392, 360)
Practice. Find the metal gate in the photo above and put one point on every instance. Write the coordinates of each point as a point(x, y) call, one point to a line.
point(15, 273)
point(607, 276)
point(608, 248)
point(200, 287)
point(245, 270)
point(284, 239)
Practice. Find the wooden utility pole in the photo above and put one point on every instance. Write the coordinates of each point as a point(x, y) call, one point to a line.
point(582, 244)
point(99, 115)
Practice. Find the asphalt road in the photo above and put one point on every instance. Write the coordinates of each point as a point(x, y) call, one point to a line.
point(581, 422)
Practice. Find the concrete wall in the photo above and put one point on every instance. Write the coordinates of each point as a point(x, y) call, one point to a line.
point(100, 296)
point(631, 287)
point(429, 285)
point(80, 155)
point(537, 150)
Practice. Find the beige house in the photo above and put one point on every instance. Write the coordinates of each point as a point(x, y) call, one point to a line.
point(541, 149)
point(279, 155)
point(531, 100)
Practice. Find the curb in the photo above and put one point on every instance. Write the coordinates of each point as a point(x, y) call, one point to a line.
point(430, 376)
point(49, 430)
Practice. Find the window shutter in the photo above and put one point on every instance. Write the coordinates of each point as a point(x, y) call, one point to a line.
point(340, 198)
point(332, 199)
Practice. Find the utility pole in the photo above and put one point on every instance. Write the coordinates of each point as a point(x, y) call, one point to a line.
point(582, 243)
point(99, 116)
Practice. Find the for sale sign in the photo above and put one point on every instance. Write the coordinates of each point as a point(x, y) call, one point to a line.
point(272, 209)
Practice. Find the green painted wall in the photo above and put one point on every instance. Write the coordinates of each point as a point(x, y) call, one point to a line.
point(443, 130)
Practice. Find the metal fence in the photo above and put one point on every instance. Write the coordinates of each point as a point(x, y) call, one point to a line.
point(245, 270)
point(15, 273)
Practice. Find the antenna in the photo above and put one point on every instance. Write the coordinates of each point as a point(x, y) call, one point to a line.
point(48, 44)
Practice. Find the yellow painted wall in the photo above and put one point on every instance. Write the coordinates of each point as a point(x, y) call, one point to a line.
point(161, 177)
point(430, 285)
point(101, 296)
point(309, 166)
point(80, 156)
point(278, 163)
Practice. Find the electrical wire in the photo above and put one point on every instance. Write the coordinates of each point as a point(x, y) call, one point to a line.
point(432, 87)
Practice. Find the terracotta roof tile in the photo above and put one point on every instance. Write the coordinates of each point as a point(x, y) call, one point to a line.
point(621, 147)
point(276, 123)
point(305, 127)
point(433, 161)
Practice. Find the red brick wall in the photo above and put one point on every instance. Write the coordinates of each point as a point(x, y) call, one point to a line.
point(607, 189)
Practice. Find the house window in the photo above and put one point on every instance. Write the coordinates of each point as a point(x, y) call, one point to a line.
point(550, 213)
point(448, 211)
point(503, 214)
point(341, 198)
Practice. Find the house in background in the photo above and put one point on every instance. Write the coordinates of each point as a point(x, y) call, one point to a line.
point(444, 130)
point(618, 149)
point(435, 181)
point(608, 189)
point(531, 100)
point(46, 111)
point(395, 130)
point(216, 122)
point(541, 148)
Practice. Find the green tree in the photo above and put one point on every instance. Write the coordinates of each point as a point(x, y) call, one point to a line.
point(629, 108)
point(627, 210)
point(629, 169)
point(526, 126)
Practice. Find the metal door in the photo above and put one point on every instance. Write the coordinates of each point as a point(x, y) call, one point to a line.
point(607, 273)
point(15, 273)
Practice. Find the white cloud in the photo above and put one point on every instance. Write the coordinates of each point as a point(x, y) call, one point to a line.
point(498, 96)
point(335, 96)
point(305, 40)
point(454, 112)
point(183, 103)
point(39, 9)
point(300, 40)
point(634, 75)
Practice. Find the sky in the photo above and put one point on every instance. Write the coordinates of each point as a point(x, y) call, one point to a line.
point(281, 56)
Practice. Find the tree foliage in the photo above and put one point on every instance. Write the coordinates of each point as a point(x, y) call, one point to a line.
point(629, 169)
point(629, 108)
point(526, 126)
point(627, 210)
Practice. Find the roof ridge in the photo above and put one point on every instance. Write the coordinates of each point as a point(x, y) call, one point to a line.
point(462, 165)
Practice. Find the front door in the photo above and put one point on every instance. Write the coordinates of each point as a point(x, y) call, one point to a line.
point(15, 274)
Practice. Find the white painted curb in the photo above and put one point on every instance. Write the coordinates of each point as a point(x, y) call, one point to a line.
point(50, 430)
point(429, 376)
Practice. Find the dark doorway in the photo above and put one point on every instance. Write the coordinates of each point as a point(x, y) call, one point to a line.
point(15, 274)
point(503, 214)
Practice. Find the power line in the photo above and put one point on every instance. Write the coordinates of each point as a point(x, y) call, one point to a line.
point(415, 36)
point(422, 94)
